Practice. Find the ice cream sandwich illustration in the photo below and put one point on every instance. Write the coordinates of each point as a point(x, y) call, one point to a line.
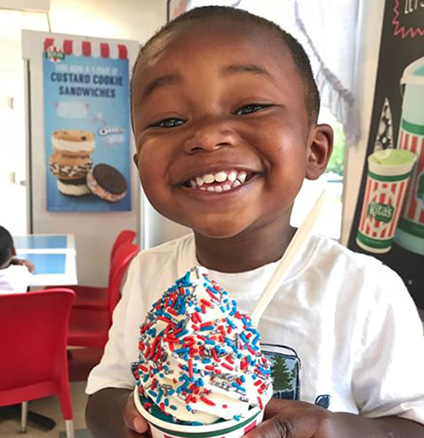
point(71, 160)
point(73, 142)
point(107, 182)
point(71, 173)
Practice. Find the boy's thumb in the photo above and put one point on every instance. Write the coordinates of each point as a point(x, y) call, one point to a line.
point(132, 419)
point(140, 424)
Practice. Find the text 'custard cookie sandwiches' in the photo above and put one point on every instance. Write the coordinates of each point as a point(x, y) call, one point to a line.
point(71, 160)
point(200, 368)
point(107, 183)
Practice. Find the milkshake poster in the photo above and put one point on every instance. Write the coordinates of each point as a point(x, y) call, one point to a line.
point(87, 126)
point(389, 216)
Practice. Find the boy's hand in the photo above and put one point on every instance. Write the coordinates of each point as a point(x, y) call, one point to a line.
point(133, 420)
point(293, 419)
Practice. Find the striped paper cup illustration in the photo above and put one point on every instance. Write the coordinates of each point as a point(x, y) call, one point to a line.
point(410, 231)
point(225, 429)
point(387, 181)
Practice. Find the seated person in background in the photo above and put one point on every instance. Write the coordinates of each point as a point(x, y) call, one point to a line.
point(15, 274)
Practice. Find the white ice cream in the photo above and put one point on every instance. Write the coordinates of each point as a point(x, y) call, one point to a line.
point(199, 358)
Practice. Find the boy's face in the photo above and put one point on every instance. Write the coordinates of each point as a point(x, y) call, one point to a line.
point(223, 102)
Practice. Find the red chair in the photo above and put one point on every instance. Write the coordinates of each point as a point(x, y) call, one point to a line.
point(33, 364)
point(123, 236)
point(96, 297)
point(89, 326)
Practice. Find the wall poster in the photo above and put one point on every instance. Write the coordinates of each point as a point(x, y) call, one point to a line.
point(389, 216)
point(87, 126)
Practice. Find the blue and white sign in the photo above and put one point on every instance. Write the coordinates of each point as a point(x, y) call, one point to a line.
point(87, 127)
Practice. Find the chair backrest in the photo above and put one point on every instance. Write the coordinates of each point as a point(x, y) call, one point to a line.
point(33, 333)
point(123, 237)
point(122, 258)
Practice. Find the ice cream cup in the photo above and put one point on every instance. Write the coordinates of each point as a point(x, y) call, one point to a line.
point(389, 172)
point(410, 231)
point(224, 429)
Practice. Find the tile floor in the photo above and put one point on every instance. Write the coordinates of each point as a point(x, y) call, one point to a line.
point(49, 406)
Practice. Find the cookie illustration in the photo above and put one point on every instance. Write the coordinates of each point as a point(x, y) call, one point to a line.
point(73, 142)
point(107, 182)
point(71, 161)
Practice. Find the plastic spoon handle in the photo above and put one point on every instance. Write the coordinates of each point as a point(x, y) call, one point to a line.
point(283, 266)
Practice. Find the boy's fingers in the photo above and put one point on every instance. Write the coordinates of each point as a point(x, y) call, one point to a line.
point(274, 407)
point(282, 427)
point(290, 419)
point(132, 419)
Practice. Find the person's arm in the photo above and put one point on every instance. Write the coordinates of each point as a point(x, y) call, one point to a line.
point(30, 266)
point(105, 416)
point(291, 419)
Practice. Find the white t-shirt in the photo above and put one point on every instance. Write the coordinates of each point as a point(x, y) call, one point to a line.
point(343, 330)
point(14, 279)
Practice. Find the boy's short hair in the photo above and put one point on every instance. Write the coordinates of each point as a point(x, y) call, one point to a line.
point(299, 55)
point(6, 246)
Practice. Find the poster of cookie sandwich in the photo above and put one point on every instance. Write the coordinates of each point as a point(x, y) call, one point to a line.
point(87, 126)
point(389, 216)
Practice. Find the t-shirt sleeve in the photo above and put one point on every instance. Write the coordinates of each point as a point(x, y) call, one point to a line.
point(388, 377)
point(114, 370)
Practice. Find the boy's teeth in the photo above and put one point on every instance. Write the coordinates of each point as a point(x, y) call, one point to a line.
point(209, 178)
point(242, 177)
point(220, 176)
point(233, 178)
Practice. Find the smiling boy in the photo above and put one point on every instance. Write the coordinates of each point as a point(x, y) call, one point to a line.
point(225, 113)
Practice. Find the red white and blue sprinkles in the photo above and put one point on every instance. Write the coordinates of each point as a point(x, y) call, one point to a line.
point(199, 357)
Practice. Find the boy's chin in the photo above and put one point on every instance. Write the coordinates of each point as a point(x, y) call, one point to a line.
point(218, 232)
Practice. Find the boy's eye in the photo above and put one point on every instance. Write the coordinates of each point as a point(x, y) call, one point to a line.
point(168, 123)
point(252, 108)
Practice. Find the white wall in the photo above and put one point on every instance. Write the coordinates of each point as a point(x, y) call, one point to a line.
point(123, 19)
point(370, 26)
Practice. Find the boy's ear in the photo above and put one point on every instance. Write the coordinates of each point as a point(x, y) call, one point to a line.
point(319, 150)
point(135, 159)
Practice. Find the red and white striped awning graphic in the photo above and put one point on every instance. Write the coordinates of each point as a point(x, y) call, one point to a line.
point(86, 48)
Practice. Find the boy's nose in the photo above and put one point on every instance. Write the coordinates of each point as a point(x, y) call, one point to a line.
point(209, 136)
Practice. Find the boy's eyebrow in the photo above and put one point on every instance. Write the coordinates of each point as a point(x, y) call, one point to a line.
point(245, 68)
point(159, 82)
point(227, 70)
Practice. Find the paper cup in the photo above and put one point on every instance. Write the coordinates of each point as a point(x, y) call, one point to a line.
point(389, 171)
point(224, 429)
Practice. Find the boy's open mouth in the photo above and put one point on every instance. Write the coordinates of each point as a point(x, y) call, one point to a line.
point(219, 182)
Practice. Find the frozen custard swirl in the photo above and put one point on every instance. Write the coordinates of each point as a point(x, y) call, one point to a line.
point(199, 357)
